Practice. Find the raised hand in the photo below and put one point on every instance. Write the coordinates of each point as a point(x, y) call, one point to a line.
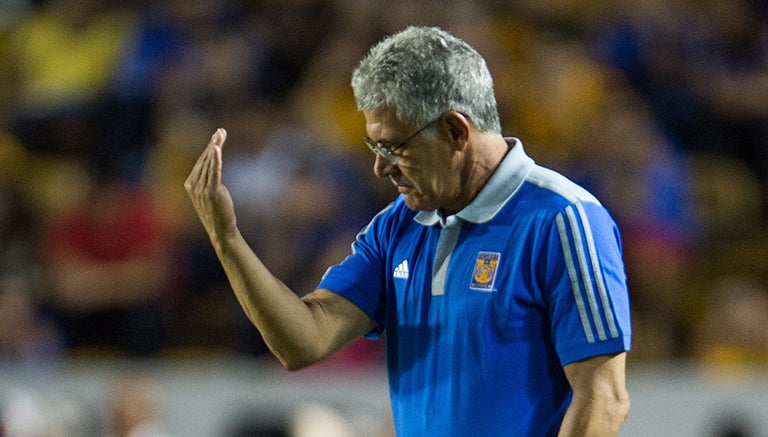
point(209, 196)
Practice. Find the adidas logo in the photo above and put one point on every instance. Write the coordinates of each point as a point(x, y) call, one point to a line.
point(401, 271)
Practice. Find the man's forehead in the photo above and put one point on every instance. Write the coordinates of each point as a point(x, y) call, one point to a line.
point(383, 119)
point(380, 113)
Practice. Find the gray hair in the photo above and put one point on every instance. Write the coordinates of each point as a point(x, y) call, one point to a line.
point(422, 72)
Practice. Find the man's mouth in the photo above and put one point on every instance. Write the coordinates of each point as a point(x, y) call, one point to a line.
point(403, 188)
point(401, 185)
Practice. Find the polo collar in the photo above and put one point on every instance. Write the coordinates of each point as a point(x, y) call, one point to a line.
point(502, 185)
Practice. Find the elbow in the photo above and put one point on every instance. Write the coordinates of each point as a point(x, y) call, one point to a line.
point(292, 354)
point(296, 361)
point(293, 365)
point(626, 405)
point(620, 409)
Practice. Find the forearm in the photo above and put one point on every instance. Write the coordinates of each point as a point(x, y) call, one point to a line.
point(600, 399)
point(298, 331)
point(590, 417)
point(287, 324)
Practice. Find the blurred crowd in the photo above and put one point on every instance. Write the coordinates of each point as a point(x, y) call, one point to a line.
point(659, 107)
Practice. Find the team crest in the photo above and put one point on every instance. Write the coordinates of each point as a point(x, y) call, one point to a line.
point(484, 275)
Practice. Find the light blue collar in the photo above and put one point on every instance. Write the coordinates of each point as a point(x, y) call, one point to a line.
point(502, 185)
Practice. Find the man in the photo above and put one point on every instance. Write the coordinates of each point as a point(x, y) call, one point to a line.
point(499, 283)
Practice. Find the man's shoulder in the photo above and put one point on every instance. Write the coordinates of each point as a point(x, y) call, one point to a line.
point(556, 189)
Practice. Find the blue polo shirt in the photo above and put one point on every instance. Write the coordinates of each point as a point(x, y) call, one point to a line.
point(482, 309)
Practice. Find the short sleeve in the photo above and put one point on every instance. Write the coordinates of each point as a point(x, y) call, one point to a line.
point(360, 277)
point(585, 284)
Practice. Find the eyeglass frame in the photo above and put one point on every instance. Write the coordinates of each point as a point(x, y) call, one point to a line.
point(389, 153)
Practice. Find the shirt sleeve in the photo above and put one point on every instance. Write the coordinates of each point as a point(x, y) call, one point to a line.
point(586, 284)
point(360, 277)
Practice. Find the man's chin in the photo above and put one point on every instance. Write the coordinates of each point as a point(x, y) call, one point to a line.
point(417, 203)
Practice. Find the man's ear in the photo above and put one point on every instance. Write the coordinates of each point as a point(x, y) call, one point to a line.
point(458, 128)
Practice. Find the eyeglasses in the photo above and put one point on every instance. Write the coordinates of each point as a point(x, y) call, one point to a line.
point(389, 152)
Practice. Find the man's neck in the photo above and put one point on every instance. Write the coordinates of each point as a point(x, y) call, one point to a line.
point(484, 157)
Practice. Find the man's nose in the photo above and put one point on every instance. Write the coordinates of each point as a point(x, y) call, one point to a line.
point(382, 167)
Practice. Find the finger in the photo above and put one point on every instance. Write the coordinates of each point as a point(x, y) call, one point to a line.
point(214, 174)
point(219, 137)
point(214, 139)
point(210, 168)
point(194, 175)
point(204, 178)
point(197, 170)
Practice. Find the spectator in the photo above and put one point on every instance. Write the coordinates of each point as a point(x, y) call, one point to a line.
point(66, 53)
point(109, 267)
